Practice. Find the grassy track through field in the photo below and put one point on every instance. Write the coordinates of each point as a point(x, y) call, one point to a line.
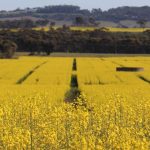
point(21, 80)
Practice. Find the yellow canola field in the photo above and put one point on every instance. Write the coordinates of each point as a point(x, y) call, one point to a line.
point(56, 71)
point(127, 29)
point(12, 70)
point(103, 71)
point(113, 111)
point(123, 106)
point(143, 62)
point(133, 94)
point(111, 29)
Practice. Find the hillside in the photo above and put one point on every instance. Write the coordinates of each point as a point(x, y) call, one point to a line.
point(66, 14)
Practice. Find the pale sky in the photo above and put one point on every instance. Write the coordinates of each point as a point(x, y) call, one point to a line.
point(103, 4)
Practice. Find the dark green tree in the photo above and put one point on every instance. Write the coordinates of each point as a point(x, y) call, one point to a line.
point(142, 23)
point(79, 20)
point(7, 48)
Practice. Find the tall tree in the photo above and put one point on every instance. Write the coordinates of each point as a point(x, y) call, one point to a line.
point(79, 20)
point(7, 48)
point(142, 23)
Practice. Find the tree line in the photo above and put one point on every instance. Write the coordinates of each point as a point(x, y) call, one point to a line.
point(28, 23)
point(66, 40)
point(23, 23)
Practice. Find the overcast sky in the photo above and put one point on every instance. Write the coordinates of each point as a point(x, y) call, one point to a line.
point(104, 4)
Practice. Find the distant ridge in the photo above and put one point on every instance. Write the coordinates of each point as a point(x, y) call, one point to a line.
point(69, 12)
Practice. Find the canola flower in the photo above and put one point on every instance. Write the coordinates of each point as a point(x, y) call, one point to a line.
point(33, 123)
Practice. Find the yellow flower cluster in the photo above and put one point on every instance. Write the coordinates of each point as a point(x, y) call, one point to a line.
point(32, 122)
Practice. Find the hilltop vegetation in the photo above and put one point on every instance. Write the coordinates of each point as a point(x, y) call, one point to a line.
point(25, 23)
point(60, 11)
point(69, 13)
